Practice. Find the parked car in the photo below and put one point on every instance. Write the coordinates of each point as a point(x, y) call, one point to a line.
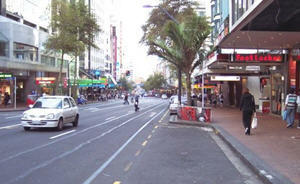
point(51, 111)
point(174, 105)
point(164, 96)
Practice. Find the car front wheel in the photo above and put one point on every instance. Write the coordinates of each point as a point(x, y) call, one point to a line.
point(26, 128)
point(60, 124)
point(75, 123)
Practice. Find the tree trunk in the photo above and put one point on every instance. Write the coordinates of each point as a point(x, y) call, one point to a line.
point(74, 89)
point(179, 85)
point(58, 82)
point(189, 88)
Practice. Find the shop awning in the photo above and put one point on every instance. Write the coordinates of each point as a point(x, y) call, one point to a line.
point(268, 25)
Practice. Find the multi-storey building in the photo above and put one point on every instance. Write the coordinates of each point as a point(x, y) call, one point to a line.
point(23, 32)
point(258, 45)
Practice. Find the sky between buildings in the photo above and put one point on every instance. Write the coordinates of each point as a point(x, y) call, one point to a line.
point(134, 16)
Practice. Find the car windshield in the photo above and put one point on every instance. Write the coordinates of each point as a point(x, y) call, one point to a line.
point(48, 103)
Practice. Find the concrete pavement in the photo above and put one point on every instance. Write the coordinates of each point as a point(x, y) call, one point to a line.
point(272, 151)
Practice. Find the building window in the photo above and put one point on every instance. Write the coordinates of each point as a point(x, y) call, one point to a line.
point(47, 60)
point(25, 52)
point(3, 48)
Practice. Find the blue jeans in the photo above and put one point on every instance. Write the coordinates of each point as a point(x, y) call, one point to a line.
point(290, 116)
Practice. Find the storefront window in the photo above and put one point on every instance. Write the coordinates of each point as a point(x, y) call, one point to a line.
point(25, 52)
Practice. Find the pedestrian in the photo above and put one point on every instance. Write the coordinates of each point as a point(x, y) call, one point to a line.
point(221, 99)
point(214, 99)
point(136, 103)
point(6, 98)
point(126, 99)
point(290, 107)
point(298, 111)
point(248, 108)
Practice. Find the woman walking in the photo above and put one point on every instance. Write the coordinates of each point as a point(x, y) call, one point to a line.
point(248, 108)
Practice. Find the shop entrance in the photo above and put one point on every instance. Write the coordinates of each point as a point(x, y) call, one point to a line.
point(276, 93)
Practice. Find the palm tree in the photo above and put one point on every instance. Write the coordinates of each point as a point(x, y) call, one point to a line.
point(182, 45)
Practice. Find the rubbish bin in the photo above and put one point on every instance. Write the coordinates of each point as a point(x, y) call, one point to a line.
point(190, 113)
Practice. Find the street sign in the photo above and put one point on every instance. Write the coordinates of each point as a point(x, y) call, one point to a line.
point(6, 76)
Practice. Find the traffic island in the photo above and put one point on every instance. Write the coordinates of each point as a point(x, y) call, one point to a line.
point(266, 173)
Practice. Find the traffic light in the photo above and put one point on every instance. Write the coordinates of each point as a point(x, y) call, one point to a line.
point(127, 73)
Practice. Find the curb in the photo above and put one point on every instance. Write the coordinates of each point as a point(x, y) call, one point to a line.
point(267, 174)
point(13, 110)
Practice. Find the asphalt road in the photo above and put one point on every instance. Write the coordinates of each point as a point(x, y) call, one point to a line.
point(115, 145)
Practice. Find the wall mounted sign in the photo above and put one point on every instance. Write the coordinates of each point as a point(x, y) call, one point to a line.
point(6, 75)
point(258, 58)
point(225, 78)
point(45, 80)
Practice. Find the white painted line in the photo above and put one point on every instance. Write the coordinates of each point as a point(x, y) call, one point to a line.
point(97, 109)
point(152, 114)
point(48, 162)
point(63, 138)
point(59, 135)
point(14, 116)
point(10, 127)
point(110, 118)
point(105, 164)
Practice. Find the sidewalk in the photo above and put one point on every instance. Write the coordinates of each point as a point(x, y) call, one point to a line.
point(272, 151)
point(10, 108)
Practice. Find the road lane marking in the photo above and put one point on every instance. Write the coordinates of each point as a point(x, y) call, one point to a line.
point(152, 114)
point(144, 143)
point(138, 153)
point(98, 109)
point(69, 152)
point(128, 166)
point(17, 116)
point(163, 116)
point(59, 135)
point(71, 135)
point(149, 136)
point(117, 182)
point(106, 163)
point(10, 127)
point(110, 118)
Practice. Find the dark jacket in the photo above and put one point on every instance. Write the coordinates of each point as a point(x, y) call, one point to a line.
point(247, 102)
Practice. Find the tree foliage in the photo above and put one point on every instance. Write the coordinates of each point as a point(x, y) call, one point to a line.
point(180, 43)
point(155, 81)
point(73, 29)
point(125, 84)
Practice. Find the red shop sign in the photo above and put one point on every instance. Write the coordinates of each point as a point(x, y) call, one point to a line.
point(258, 58)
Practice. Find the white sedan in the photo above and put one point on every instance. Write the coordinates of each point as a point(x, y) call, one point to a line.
point(51, 111)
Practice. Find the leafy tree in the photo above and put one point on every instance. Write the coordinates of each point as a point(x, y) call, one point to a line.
point(181, 44)
point(125, 84)
point(86, 29)
point(155, 81)
point(73, 29)
point(156, 23)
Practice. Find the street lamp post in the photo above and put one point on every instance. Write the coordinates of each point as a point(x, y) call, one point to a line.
point(178, 67)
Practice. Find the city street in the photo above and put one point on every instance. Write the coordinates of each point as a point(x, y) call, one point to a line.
point(114, 144)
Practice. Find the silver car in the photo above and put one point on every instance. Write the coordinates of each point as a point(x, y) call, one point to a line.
point(51, 111)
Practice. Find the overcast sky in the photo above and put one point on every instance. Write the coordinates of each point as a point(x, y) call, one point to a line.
point(134, 16)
